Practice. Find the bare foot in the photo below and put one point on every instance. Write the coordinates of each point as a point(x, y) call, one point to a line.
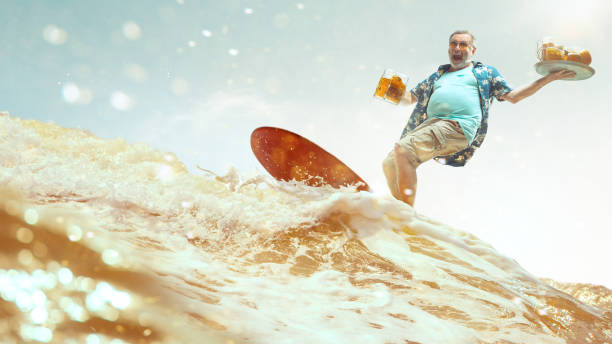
point(406, 175)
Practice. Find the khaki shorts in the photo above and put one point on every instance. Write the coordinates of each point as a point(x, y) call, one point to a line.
point(435, 137)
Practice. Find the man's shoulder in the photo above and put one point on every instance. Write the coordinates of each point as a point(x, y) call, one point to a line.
point(479, 66)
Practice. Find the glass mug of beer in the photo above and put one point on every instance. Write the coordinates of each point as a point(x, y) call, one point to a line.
point(549, 50)
point(391, 86)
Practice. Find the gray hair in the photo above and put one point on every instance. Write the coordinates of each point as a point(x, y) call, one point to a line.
point(460, 32)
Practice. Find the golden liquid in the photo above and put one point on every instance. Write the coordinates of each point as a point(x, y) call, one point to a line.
point(382, 87)
point(552, 53)
point(575, 57)
point(585, 57)
point(396, 90)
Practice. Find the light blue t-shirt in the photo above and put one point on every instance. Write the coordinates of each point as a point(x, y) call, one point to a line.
point(455, 97)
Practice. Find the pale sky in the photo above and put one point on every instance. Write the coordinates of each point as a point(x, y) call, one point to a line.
point(196, 77)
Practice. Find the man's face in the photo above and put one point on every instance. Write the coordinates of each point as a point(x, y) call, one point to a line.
point(460, 50)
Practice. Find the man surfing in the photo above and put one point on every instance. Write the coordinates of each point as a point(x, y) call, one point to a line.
point(449, 121)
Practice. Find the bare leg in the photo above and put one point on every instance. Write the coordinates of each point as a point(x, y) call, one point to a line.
point(406, 175)
point(390, 170)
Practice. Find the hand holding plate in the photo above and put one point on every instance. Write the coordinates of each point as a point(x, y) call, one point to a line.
point(562, 74)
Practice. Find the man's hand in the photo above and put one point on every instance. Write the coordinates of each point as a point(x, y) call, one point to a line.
point(562, 74)
point(408, 99)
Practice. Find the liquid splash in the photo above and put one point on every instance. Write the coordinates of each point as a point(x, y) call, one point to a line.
point(108, 242)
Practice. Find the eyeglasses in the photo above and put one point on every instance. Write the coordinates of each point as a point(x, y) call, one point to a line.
point(462, 45)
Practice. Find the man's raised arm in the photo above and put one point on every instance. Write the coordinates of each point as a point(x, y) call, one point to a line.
point(521, 93)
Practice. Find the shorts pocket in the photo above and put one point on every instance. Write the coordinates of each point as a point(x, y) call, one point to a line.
point(439, 138)
point(451, 138)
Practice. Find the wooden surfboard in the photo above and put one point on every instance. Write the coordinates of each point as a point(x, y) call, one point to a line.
point(289, 156)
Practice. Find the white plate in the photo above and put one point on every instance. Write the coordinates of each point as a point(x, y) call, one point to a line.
point(582, 71)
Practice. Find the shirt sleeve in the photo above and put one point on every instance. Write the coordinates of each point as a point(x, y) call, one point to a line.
point(499, 86)
point(419, 89)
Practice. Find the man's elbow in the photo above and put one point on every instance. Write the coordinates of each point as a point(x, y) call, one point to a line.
point(512, 98)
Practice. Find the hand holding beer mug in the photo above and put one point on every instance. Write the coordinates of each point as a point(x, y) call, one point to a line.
point(391, 87)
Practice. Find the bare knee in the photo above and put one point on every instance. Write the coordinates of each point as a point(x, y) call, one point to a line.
point(405, 155)
point(388, 163)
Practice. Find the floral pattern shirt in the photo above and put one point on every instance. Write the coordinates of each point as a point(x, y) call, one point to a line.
point(490, 84)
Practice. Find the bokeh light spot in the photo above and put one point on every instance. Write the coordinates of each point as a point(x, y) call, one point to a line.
point(132, 31)
point(179, 86)
point(39, 249)
point(65, 276)
point(54, 35)
point(39, 315)
point(31, 216)
point(39, 298)
point(121, 300)
point(74, 232)
point(121, 101)
point(93, 339)
point(71, 93)
point(25, 235)
point(136, 73)
point(281, 20)
point(111, 257)
point(25, 257)
point(35, 333)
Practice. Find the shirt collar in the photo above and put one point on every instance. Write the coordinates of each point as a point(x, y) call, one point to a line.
point(445, 67)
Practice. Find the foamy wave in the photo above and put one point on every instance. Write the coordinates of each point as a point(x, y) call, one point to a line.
point(119, 241)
